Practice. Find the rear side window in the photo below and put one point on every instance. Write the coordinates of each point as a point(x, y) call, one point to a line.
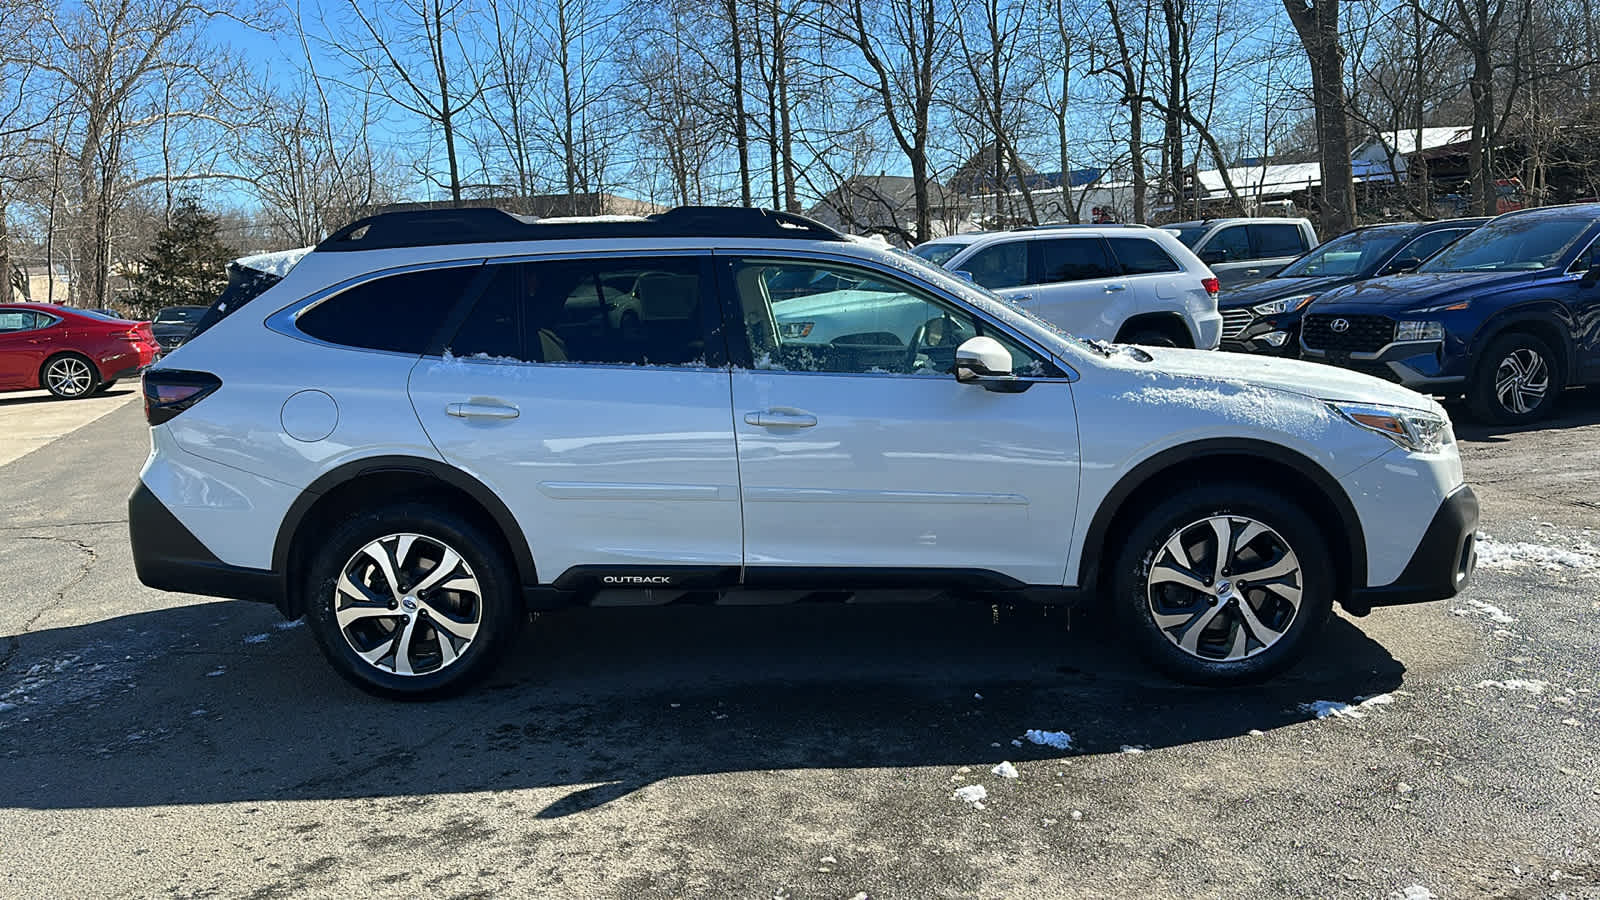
point(1074, 259)
point(639, 311)
point(399, 313)
point(1279, 240)
point(1141, 256)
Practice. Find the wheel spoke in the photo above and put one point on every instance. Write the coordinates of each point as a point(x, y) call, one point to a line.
point(380, 554)
point(1222, 527)
point(1240, 639)
point(447, 564)
point(1191, 635)
point(1285, 566)
point(1262, 633)
point(348, 615)
point(1172, 573)
point(466, 631)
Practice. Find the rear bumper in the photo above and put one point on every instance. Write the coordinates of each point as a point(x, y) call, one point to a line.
point(169, 557)
point(1441, 565)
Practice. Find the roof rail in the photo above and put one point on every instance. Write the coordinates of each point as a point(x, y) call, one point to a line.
point(1050, 225)
point(481, 225)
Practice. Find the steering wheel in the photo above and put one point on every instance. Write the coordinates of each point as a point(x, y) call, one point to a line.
point(940, 331)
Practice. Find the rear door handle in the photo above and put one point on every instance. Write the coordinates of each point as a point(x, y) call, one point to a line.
point(780, 418)
point(481, 411)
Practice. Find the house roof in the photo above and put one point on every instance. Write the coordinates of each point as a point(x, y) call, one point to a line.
point(894, 191)
point(1405, 141)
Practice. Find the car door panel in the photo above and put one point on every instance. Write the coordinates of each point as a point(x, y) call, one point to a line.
point(604, 462)
point(1076, 286)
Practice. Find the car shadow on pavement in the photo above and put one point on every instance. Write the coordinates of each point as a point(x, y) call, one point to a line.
point(1578, 407)
point(40, 397)
point(214, 703)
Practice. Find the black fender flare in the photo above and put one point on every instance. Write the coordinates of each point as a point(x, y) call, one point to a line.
point(1141, 474)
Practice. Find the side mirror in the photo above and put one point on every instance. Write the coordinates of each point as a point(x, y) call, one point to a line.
point(1214, 256)
point(985, 361)
point(1403, 264)
point(963, 274)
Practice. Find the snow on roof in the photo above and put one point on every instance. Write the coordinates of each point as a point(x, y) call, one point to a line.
point(1404, 142)
point(276, 263)
point(1281, 178)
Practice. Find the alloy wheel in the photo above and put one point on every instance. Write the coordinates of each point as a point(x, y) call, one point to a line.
point(1224, 588)
point(69, 376)
point(1521, 381)
point(408, 604)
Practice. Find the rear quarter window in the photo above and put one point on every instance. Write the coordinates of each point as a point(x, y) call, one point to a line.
point(1141, 256)
point(399, 313)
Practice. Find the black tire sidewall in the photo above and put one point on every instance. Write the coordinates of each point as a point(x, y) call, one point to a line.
point(1151, 339)
point(94, 376)
point(502, 599)
point(1144, 540)
point(1483, 401)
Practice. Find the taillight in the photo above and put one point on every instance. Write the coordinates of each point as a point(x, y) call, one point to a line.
point(1212, 285)
point(168, 392)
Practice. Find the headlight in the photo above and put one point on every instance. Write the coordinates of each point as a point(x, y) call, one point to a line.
point(1412, 429)
point(1419, 330)
point(1279, 307)
point(794, 329)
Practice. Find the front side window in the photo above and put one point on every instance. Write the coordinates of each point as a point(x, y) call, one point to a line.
point(871, 324)
point(1141, 256)
point(610, 311)
point(1523, 243)
point(1232, 242)
point(399, 313)
point(1074, 259)
point(938, 252)
point(18, 320)
point(1001, 266)
point(1278, 240)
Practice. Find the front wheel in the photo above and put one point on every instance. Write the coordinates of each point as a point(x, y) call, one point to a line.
point(1223, 584)
point(1518, 379)
point(412, 601)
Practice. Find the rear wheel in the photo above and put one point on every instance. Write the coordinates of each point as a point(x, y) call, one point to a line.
point(1223, 584)
point(105, 386)
point(1151, 339)
point(412, 601)
point(1518, 379)
point(69, 376)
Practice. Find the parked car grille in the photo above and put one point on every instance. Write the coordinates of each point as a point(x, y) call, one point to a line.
point(1235, 321)
point(1361, 334)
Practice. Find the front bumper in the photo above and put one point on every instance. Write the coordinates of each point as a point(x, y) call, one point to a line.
point(169, 557)
point(1441, 565)
point(1270, 337)
point(1419, 365)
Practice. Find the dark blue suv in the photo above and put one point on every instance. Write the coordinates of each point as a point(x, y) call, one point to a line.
point(1264, 317)
point(1507, 316)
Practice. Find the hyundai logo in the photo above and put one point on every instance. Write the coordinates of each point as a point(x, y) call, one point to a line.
point(1339, 326)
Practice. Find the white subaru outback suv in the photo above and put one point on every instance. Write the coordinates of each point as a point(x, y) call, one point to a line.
point(434, 423)
point(1128, 283)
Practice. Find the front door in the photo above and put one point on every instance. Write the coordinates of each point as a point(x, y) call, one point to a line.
point(859, 451)
point(591, 395)
point(22, 346)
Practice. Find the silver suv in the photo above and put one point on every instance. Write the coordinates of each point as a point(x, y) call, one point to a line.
point(1242, 251)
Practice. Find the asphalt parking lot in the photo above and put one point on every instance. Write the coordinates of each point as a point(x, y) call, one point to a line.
point(160, 744)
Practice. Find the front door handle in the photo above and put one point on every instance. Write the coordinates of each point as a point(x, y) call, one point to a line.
point(780, 418)
point(481, 411)
point(1111, 288)
point(1021, 298)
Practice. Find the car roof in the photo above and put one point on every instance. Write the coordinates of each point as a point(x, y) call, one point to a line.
point(1234, 220)
point(1564, 211)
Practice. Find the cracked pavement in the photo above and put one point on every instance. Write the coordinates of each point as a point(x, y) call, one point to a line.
point(160, 744)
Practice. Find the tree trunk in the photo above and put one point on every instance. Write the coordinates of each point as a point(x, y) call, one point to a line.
point(1318, 27)
point(741, 134)
point(1481, 148)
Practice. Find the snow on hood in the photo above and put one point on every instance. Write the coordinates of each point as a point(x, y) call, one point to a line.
point(1246, 372)
point(1417, 289)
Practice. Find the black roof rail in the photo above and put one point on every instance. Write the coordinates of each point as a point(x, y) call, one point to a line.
point(481, 225)
point(1049, 226)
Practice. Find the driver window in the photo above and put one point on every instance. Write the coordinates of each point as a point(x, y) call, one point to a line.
point(804, 316)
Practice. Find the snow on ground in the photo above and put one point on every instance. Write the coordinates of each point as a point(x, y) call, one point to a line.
point(1341, 710)
point(1414, 892)
point(1057, 739)
point(1132, 748)
point(974, 794)
point(256, 638)
point(285, 626)
point(1005, 770)
point(1491, 612)
point(1531, 685)
point(1493, 554)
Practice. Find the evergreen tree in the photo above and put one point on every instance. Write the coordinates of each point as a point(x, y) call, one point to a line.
point(186, 265)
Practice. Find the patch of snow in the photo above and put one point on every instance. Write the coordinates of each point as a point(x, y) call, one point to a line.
point(1489, 611)
point(1005, 770)
point(7, 707)
point(1414, 892)
point(1239, 402)
point(219, 670)
point(1493, 554)
point(1132, 748)
point(1057, 739)
point(1341, 710)
point(257, 638)
point(1531, 685)
point(977, 696)
point(286, 626)
point(1256, 732)
point(974, 794)
point(1014, 743)
point(276, 263)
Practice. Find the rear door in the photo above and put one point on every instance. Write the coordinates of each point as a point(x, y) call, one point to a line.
point(592, 396)
point(1076, 284)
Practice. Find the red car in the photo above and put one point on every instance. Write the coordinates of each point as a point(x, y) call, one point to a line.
point(69, 352)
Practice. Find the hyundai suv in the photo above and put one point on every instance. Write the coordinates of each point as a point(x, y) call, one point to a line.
point(1505, 316)
point(433, 424)
point(1127, 283)
point(1264, 317)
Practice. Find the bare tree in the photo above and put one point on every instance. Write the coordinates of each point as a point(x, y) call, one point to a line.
point(1317, 23)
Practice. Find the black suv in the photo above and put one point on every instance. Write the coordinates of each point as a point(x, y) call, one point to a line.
point(1506, 316)
point(1264, 317)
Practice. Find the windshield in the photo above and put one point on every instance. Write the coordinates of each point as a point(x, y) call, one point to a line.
point(179, 315)
point(1348, 254)
point(1521, 243)
point(938, 253)
point(1190, 235)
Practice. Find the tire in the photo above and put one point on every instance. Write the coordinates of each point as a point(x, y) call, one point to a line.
point(479, 596)
point(1516, 380)
point(1150, 338)
point(1159, 613)
point(106, 386)
point(69, 376)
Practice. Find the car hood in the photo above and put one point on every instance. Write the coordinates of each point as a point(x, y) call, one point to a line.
point(1420, 288)
point(1291, 375)
point(1276, 288)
